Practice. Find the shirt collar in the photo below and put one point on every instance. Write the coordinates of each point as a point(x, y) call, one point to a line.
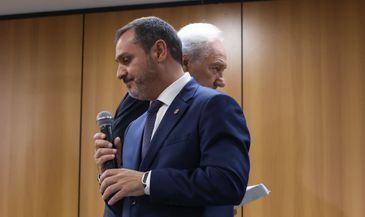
point(169, 94)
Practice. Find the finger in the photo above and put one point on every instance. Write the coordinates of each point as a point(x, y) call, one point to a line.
point(105, 188)
point(116, 197)
point(115, 190)
point(106, 178)
point(104, 183)
point(104, 151)
point(99, 136)
point(101, 161)
point(118, 145)
point(100, 143)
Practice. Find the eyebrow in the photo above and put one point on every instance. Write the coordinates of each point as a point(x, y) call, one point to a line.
point(121, 56)
point(220, 63)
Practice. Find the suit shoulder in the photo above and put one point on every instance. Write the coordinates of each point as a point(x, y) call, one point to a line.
point(209, 94)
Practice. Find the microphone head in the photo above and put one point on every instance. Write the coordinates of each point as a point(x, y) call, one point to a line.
point(104, 118)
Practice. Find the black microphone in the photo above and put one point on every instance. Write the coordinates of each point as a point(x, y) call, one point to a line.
point(105, 120)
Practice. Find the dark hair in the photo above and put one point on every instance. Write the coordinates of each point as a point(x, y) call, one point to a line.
point(147, 30)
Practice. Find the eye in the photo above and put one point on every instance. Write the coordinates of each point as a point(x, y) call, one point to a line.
point(125, 60)
point(216, 68)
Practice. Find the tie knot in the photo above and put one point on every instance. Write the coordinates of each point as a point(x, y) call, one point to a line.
point(155, 106)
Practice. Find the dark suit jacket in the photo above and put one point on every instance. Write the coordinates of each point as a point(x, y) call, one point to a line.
point(198, 157)
point(128, 110)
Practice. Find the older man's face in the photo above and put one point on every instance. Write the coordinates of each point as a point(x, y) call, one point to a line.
point(208, 71)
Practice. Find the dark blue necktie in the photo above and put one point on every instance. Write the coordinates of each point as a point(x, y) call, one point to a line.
point(148, 127)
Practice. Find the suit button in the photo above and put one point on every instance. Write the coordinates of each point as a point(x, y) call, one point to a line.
point(133, 203)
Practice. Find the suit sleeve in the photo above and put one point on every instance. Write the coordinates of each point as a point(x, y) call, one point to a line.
point(222, 175)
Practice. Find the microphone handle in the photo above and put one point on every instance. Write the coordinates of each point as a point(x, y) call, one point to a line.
point(107, 130)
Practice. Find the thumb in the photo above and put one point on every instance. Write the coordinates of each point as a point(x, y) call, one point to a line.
point(118, 146)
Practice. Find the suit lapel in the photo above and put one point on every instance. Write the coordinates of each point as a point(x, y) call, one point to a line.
point(132, 145)
point(172, 116)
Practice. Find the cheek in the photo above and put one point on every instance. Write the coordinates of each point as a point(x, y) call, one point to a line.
point(210, 74)
point(135, 71)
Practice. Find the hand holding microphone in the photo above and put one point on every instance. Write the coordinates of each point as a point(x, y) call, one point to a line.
point(106, 152)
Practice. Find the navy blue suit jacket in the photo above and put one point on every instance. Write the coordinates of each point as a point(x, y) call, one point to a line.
point(198, 157)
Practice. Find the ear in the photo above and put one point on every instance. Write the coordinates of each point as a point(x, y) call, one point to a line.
point(159, 50)
point(185, 63)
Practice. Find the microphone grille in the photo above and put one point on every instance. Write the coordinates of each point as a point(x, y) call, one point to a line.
point(104, 118)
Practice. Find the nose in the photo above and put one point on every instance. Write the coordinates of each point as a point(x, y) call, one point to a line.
point(220, 82)
point(121, 71)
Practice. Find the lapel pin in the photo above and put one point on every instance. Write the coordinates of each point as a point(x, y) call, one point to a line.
point(176, 111)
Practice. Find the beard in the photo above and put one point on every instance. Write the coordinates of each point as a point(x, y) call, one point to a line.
point(143, 87)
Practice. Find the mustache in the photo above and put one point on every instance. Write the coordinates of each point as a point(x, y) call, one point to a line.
point(126, 79)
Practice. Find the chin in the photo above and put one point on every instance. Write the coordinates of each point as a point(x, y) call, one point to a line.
point(137, 95)
point(133, 94)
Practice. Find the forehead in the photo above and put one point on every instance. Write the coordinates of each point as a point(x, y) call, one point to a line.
point(126, 43)
point(216, 49)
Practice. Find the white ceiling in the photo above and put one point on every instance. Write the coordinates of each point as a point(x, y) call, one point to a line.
point(14, 7)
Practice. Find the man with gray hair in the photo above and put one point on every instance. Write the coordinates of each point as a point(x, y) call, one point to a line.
point(204, 55)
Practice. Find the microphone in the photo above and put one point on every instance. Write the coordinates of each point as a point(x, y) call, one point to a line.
point(105, 120)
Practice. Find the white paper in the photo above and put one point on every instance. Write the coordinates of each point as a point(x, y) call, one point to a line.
point(254, 192)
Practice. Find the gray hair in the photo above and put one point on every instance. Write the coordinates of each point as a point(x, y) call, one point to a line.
point(195, 38)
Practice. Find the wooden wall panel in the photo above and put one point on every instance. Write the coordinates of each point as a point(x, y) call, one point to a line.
point(102, 90)
point(304, 94)
point(303, 89)
point(40, 71)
